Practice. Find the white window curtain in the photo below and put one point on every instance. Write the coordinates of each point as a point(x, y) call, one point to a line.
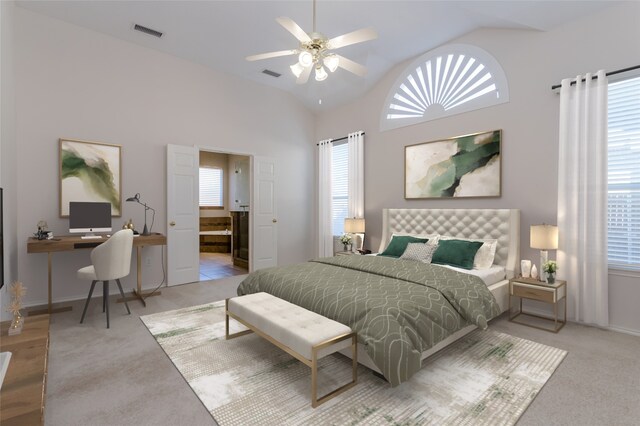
point(356, 174)
point(582, 198)
point(325, 234)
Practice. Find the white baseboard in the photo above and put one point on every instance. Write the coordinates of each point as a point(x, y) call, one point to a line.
point(541, 312)
point(546, 313)
point(615, 328)
point(97, 293)
point(623, 330)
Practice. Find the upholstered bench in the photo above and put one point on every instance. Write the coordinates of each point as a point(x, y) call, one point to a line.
point(301, 333)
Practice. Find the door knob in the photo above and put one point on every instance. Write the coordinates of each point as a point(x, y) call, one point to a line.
point(274, 220)
point(172, 223)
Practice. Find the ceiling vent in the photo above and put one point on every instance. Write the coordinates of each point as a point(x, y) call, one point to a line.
point(271, 73)
point(146, 30)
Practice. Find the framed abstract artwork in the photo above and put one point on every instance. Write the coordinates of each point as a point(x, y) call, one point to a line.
point(458, 167)
point(90, 172)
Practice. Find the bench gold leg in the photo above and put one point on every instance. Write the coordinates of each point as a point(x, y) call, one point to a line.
point(315, 401)
point(226, 319)
point(228, 336)
point(354, 356)
point(314, 378)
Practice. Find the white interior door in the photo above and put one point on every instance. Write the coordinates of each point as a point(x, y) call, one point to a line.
point(264, 238)
point(183, 215)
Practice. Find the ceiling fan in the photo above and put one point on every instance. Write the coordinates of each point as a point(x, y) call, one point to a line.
point(315, 51)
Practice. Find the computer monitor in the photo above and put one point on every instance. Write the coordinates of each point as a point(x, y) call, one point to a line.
point(89, 217)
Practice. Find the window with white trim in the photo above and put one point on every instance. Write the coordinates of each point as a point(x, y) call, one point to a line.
point(211, 187)
point(339, 186)
point(623, 213)
point(445, 81)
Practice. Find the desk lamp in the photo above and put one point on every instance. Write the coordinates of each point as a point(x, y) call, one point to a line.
point(355, 226)
point(136, 198)
point(544, 237)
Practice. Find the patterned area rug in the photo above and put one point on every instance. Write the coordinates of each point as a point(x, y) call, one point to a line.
point(485, 378)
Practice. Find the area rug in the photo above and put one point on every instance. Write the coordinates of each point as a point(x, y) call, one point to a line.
point(485, 378)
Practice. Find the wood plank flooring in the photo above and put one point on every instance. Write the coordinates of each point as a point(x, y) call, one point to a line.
point(218, 265)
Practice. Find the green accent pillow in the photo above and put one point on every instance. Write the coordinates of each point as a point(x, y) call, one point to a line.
point(457, 253)
point(398, 245)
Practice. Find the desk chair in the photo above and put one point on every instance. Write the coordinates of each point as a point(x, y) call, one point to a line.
point(111, 260)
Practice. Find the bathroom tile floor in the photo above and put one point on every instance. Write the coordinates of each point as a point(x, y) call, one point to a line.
point(218, 265)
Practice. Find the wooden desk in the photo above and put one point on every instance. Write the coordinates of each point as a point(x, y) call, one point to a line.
point(70, 243)
point(24, 388)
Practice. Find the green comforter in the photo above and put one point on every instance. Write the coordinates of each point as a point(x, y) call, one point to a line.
point(399, 308)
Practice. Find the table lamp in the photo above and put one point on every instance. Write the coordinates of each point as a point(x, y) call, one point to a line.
point(355, 226)
point(136, 198)
point(544, 237)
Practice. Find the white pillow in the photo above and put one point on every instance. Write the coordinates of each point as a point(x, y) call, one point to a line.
point(485, 254)
point(419, 251)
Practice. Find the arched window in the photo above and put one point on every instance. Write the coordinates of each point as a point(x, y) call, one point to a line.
point(445, 81)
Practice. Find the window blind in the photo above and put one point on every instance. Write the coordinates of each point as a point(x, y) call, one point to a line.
point(623, 215)
point(339, 186)
point(210, 187)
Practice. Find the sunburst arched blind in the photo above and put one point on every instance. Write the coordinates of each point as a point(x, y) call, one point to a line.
point(445, 81)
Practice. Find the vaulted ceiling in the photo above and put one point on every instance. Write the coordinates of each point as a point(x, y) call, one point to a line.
point(220, 34)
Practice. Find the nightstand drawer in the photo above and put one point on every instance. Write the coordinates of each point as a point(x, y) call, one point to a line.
point(533, 292)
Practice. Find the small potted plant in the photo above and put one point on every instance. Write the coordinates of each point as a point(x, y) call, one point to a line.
point(345, 239)
point(550, 267)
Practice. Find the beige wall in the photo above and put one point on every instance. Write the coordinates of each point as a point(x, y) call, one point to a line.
point(75, 83)
point(72, 82)
point(532, 61)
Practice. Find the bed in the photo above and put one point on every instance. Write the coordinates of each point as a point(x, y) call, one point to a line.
point(403, 310)
point(500, 224)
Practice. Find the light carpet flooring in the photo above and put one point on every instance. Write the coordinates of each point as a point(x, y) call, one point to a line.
point(121, 376)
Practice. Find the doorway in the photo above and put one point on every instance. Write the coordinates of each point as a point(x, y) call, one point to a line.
point(224, 185)
point(258, 246)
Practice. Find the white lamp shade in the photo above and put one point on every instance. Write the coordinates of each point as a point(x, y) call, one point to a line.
point(297, 69)
point(321, 74)
point(354, 225)
point(305, 58)
point(544, 237)
point(331, 62)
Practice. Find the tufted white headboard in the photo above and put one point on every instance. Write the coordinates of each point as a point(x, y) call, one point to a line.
point(500, 224)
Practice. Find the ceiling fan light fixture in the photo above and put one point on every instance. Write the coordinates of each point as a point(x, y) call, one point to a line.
point(297, 69)
point(305, 58)
point(331, 62)
point(314, 50)
point(321, 74)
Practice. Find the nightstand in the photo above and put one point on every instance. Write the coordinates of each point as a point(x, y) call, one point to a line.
point(532, 289)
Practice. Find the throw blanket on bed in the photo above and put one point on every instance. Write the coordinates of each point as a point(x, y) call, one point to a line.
point(399, 308)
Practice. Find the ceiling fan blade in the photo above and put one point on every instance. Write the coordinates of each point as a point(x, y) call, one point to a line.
point(304, 77)
point(358, 36)
point(294, 29)
point(271, 55)
point(351, 66)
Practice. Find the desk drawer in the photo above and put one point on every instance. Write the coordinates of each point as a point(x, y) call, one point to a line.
point(533, 292)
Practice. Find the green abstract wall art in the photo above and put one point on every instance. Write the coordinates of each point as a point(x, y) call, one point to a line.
point(462, 166)
point(90, 171)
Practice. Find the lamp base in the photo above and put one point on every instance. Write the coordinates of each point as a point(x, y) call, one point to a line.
point(358, 238)
point(145, 231)
point(544, 256)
